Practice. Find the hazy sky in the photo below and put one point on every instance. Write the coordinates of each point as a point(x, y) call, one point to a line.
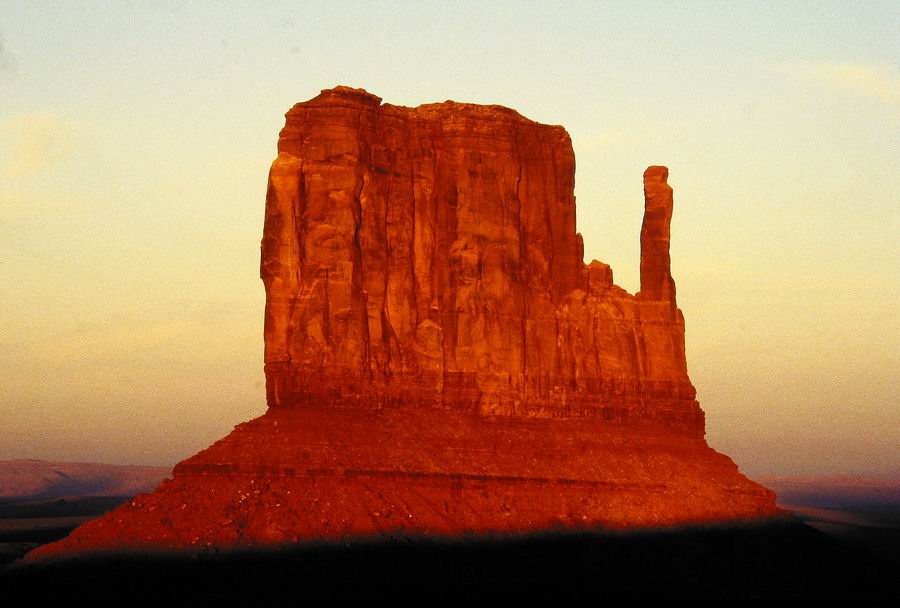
point(135, 141)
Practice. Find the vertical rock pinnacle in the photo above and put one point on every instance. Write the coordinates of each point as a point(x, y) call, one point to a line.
point(656, 274)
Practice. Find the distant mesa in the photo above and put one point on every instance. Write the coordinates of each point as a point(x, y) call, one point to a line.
point(28, 479)
point(439, 360)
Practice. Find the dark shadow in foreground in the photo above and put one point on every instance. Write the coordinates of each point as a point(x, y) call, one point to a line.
point(783, 559)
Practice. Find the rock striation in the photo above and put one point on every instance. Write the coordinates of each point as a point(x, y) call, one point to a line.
point(439, 360)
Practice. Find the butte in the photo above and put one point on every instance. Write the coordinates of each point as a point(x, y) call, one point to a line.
point(439, 360)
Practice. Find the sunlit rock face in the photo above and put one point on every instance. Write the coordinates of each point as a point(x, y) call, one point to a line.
point(439, 360)
point(428, 257)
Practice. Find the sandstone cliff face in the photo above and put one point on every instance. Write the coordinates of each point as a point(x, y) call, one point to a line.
point(429, 257)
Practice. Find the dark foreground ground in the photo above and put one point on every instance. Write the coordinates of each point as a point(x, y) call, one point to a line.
point(29, 523)
point(865, 514)
point(785, 559)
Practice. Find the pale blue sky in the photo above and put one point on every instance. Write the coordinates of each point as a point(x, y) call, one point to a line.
point(135, 140)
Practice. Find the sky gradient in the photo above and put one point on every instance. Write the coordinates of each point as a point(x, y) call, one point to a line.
point(135, 141)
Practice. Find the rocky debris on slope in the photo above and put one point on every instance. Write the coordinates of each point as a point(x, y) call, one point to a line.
point(336, 474)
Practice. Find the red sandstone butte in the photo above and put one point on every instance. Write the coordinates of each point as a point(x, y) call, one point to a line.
point(438, 358)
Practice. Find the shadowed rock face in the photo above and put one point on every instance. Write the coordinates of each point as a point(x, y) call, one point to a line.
point(428, 257)
point(438, 358)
